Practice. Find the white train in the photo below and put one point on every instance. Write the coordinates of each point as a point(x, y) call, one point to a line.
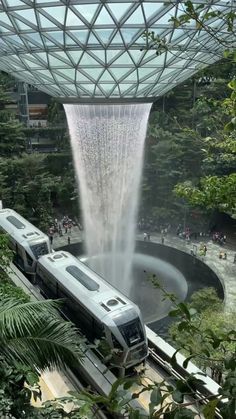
point(99, 310)
point(27, 241)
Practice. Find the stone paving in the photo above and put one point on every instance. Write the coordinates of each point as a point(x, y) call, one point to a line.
point(224, 269)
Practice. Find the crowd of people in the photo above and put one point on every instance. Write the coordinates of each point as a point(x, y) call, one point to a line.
point(219, 238)
point(147, 225)
point(66, 224)
point(60, 228)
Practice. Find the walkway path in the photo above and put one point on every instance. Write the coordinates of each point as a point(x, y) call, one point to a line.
point(224, 269)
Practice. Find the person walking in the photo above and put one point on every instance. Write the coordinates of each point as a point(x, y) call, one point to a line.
point(51, 239)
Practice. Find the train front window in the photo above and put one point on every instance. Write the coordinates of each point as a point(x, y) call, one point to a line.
point(132, 332)
point(39, 249)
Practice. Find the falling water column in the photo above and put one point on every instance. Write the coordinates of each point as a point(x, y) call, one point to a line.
point(108, 143)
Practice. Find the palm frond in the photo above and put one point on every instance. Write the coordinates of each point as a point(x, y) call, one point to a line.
point(34, 333)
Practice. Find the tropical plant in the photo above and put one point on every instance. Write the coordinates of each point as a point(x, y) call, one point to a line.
point(33, 333)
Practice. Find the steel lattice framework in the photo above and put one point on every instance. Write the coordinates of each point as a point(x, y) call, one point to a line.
point(95, 49)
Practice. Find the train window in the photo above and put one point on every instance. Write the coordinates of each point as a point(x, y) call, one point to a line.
point(14, 221)
point(132, 332)
point(84, 279)
point(39, 249)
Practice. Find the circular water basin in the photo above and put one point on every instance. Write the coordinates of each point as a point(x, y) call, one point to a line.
point(140, 288)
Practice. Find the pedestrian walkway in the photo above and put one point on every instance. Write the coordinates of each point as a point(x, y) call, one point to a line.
point(76, 235)
point(224, 269)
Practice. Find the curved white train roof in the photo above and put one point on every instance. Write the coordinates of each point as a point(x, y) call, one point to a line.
point(19, 228)
point(84, 284)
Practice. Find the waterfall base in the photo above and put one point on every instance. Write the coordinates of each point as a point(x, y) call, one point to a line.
point(141, 290)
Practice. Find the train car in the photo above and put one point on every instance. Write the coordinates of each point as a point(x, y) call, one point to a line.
point(27, 241)
point(98, 309)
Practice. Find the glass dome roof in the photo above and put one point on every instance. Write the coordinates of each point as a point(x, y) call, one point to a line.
point(95, 49)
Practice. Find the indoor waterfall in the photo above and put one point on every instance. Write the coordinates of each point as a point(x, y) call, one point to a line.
point(108, 145)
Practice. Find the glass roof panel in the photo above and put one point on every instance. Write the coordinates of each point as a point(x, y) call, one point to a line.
point(81, 77)
point(128, 34)
point(63, 56)
point(142, 72)
point(95, 48)
point(87, 11)
point(119, 72)
point(87, 60)
point(104, 34)
point(35, 37)
point(57, 13)
point(106, 87)
point(72, 19)
point(103, 18)
point(136, 17)
point(4, 18)
point(132, 76)
point(117, 39)
point(119, 9)
point(100, 54)
point(69, 41)
point(106, 77)
point(46, 23)
point(125, 86)
point(124, 59)
point(150, 9)
point(22, 25)
point(95, 72)
point(92, 39)
point(75, 55)
point(13, 3)
point(89, 87)
point(53, 61)
point(28, 14)
point(136, 54)
point(80, 35)
point(58, 36)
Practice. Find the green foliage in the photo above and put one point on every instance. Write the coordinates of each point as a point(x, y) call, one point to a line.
point(205, 341)
point(230, 106)
point(205, 106)
point(6, 255)
point(47, 182)
point(213, 192)
point(206, 298)
point(12, 140)
point(17, 385)
point(9, 290)
point(34, 334)
point(32, 337)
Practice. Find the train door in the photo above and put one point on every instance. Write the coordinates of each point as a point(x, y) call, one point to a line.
point(18, 259)
point(47, 284)
point(76, 313)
